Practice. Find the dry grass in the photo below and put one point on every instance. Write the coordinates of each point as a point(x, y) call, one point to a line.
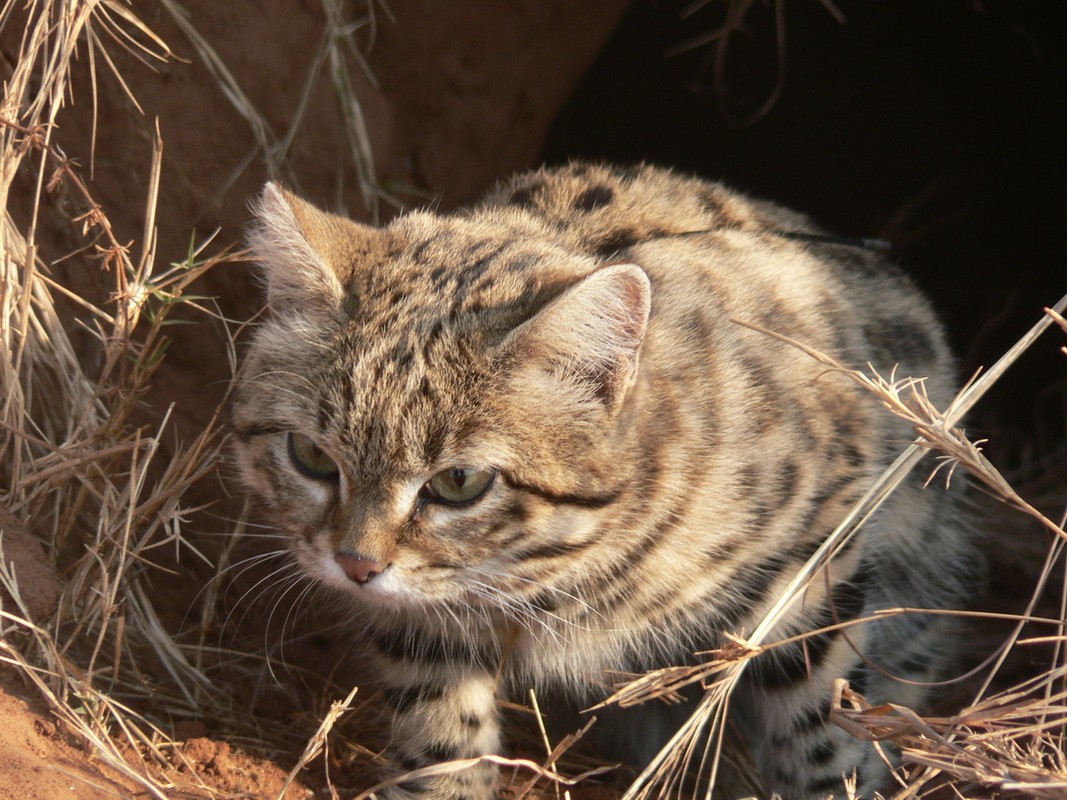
point(80, 467)
point(1021, 747)
point(334, 56)
point(91, 467)
point(737, 24)
point(83, 470)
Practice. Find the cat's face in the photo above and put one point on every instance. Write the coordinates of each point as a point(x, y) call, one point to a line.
point(434, 431)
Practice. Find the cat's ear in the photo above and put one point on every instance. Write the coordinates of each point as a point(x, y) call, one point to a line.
point(587, 339)
point(301, 250)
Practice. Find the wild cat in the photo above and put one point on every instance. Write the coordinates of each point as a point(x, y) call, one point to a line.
point(530, 443)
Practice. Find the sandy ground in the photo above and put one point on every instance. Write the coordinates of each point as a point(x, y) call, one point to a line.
point(39, 760)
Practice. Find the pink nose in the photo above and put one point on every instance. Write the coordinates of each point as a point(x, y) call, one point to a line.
point(358, 569)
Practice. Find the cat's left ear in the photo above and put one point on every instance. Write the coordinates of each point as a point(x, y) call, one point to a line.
point(586, 341)
point(302, 250)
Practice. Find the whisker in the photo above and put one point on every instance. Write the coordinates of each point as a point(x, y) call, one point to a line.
point(546, 587)
point(268, 583)
point(296, 581)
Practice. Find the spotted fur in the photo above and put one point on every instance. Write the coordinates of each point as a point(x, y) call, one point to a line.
point(658, 471)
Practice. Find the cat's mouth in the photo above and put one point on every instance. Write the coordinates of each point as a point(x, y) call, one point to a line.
point(385, 587)
point(359, 577)
point(384, 592)
point(395, 586)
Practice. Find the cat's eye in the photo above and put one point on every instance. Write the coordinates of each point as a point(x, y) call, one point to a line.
point(459, 486)
point(310, 459)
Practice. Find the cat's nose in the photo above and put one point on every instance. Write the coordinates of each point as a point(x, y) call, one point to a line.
point(358, 568)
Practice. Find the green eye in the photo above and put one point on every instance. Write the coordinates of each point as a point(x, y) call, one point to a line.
point(459, 486)
point(309, 458)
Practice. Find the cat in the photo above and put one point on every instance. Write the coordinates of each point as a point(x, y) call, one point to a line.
point(530, 443)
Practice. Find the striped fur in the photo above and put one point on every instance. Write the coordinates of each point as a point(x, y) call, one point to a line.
point(660, 472)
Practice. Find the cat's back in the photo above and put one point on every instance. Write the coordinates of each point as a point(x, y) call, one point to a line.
point(716, 257)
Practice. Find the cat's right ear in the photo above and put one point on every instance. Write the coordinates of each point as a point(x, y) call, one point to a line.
point(582, 348)
point(300, 250)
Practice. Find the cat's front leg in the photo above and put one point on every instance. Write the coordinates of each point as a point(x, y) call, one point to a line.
point(804, 756)
point(442, 712)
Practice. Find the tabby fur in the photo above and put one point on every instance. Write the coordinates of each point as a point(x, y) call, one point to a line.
point(658, 471)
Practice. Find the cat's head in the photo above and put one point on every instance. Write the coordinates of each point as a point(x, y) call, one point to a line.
point(437, 411)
